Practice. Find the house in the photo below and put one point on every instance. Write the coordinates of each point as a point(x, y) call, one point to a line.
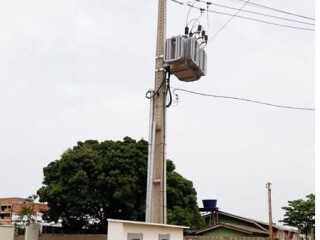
point(219, 223)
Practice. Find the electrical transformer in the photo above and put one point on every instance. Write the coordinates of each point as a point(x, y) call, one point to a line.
point(187, 61)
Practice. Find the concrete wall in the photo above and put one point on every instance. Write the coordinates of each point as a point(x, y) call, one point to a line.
point(223, 238)
point(32, 232)
point(68, 237)
point(73, 237)
point(6, 232)
point(105, 237)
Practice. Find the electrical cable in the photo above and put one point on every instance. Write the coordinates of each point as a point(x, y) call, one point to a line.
point(261, 14)
point(166, 80)
point(263, 6)
point(194, 24)
point(181, 3)
point(189, 12)
point(243, 99)
point(149, 94)
point(228, 21)
point(258, 20)
point(168, 89)
point(278, 10)
point(194, 19)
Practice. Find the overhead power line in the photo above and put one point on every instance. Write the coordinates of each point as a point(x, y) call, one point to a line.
point(256, 20)
point(262, 6)
point(224, 25)
point(258, 13)
point(278, 10)
point(177, 2)
point(243, 99)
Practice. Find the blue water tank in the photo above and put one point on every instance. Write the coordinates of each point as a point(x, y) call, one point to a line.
point(209, 203)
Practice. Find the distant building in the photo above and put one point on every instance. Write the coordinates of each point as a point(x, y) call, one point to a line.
point(10, 207)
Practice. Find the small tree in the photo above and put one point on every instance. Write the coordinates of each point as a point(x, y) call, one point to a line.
point(26, 213)
point(301, 214)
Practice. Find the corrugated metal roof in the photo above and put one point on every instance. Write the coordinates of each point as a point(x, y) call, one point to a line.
point(244, 229)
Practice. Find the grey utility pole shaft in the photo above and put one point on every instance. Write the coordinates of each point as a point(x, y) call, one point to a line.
point(268, 186)
point(156, 209)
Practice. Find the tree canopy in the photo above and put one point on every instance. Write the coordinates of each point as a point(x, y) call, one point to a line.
point(95, 181)
point(300, 213)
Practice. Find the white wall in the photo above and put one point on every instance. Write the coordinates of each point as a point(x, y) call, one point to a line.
point(6, 232)
point(118, 230)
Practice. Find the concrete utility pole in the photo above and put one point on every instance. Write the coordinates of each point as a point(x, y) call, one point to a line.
point(268, 186)
point(156, 209)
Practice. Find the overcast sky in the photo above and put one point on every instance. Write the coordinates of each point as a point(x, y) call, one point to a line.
point(79, 69)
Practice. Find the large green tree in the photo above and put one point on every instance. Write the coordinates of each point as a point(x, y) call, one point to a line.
point(94, 181)
point(181, 200)
point(300, 213)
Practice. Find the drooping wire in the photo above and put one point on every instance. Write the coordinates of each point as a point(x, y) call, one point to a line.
point(243, 99)
point(189, 11)
point(194, 20)
point(166, 80)
point(149, 93)
point(197, 20)
point(168, 89)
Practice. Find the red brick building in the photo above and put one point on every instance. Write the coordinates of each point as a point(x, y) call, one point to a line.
point(11, 206)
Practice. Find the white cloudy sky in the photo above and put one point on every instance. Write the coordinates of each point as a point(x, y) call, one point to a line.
point(79, 69)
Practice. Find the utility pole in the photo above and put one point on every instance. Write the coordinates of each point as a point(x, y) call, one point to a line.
point(268, 186)
point(156, 209)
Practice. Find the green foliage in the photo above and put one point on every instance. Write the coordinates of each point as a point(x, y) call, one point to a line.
point(300, 214)
point(181, 200)
point(26, 213)
point(108, 180)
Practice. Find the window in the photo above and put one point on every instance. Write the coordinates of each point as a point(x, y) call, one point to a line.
point(164, 236)
point(5, 216)
point(135, 236)
point(5, 208)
